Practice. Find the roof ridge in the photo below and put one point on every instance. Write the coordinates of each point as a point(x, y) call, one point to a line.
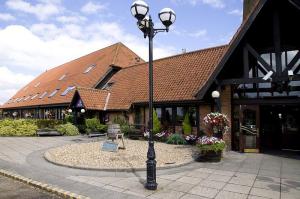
point(116, 53)
point(178, 55)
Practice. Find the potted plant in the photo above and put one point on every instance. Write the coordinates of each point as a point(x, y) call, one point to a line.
point(212, 145)
point(210, 148)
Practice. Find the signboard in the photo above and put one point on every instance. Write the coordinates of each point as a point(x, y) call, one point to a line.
point(110, 146)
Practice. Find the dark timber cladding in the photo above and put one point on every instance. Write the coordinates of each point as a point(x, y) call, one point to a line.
point(248, 6)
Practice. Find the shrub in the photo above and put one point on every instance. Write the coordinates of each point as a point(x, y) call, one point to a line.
point(127, 130)
point(67, 129)
point(47, 123)
point(176, 139)
point(20, 127)
point(94, 125)
point(120, 120)
point(186, 125)
point(156, 123)
point(162, 136)
point(69, 118)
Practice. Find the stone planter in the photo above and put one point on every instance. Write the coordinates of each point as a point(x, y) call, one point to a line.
point(209, 156)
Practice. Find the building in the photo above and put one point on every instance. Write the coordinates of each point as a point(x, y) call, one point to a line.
point(257, 74)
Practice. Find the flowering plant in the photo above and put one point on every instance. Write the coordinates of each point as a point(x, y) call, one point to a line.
point(162, 136)
point(216, 122)
point(206, 143)
point(191, 139)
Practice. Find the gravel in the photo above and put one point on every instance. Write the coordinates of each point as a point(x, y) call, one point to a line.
point(90, 155)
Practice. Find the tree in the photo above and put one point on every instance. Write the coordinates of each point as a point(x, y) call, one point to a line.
point(156, 123)
point(186, 125)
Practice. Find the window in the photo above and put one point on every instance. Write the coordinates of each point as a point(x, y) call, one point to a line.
point(16, 99)
point(20, 99)
point(180, 115)
point(62, 77)
point(159, 113)
point(67, 90)
point(168, 115)
point(53, 93)
point(43, 95)
point(89, 68)
point(34, 96)
point(37, 84)
point(26, 98)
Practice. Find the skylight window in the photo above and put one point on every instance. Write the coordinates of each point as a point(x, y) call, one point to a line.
point(53, 93)
point(34, 96)
point(37, 84)
point(26, 98)
point(89, 68)
point(16, 99)
point(20, 99)
point(43, 95)
point(62, 77)
point(70, 88)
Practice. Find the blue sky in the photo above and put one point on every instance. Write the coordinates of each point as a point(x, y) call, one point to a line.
point(36, 35)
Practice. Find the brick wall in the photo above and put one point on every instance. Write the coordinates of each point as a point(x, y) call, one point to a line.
point(203, 111)
point(226, 109)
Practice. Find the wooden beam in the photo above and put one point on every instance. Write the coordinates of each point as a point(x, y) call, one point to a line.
point(293, 62)
point(257, 80)
point(246, 62)
point(258, 57)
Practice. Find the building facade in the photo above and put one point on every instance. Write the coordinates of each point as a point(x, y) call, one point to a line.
point(257, 75)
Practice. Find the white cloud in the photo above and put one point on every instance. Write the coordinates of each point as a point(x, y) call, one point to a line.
point(41, 10)
point(236, 12)
point(92, 8)
point(71, 19)
point(10, 82)
point(43, 46)
point(6, 17)
point(212, 3)
point(198, 34)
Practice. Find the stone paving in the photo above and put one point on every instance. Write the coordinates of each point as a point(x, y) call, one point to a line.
point(253, 176)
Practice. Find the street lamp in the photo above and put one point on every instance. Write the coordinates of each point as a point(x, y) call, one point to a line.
point(82, 110)
point(139, 10)
point(216, 96)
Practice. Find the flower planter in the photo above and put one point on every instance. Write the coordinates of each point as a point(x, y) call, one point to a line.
point(209, 156)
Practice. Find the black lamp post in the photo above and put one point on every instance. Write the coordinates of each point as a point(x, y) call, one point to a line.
point(139, 10)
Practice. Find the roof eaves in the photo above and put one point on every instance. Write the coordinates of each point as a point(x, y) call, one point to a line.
point(232, 46)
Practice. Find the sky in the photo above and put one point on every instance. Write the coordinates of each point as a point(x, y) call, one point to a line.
point(37, 35)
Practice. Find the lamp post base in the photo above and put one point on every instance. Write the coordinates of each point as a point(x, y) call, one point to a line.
point(151, 175)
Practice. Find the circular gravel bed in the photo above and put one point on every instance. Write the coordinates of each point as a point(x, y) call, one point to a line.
point(90, 155)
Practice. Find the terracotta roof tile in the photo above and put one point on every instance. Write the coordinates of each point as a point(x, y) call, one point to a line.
point(117, 54)
point(93, 99)
point(176, 78)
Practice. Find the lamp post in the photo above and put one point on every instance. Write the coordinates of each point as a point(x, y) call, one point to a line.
point(139, 10)
point(216, 96)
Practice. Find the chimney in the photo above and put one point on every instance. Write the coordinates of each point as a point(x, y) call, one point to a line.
point(248, 7)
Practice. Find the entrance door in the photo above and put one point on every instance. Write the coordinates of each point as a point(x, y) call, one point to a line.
point(280, 127)
point(249, 128)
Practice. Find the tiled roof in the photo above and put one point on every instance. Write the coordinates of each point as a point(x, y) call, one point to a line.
point(117, 55)
point(176, 78)
point(93, 99)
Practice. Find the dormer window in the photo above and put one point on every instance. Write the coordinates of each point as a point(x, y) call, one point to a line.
point(62, 77)
point(70, 88)
point(89, 68)
point(43, 95)
point(37, 84)
point(53, 93)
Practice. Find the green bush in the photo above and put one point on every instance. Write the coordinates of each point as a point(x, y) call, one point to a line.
point(156, 123)
point(186, 125)
point(69, 118)
point(19, 127)
point(127, 129)
point(67, 129)
point(94, 125)
point(176, 139)
point(48, 123)
point(120, 120)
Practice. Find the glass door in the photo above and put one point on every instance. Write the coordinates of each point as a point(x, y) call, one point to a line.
point(249, 128)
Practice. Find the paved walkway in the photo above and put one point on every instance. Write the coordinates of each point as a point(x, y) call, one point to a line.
point(237, 176)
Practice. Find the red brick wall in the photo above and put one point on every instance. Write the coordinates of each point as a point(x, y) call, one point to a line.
point(203, 111)
point(226, 109)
